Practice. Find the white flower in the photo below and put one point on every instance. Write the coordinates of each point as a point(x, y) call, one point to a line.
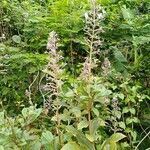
point(100, 16)
point(86, 16)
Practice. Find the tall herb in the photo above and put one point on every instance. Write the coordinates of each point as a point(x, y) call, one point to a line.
point(54, 79)
point(93, 29)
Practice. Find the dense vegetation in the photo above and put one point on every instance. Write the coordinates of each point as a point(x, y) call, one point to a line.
point(74, 75)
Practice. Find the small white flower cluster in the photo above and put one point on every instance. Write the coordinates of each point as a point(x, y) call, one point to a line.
point(106, 66)
point(2, 37)
point(52, 42)
point(93, 27)
point(86, 70)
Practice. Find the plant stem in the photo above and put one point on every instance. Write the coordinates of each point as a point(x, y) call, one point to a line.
point(89, 120)
point(58, 125)
point(142, 140)
point(135, 56)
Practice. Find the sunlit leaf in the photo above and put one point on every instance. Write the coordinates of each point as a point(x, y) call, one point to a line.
point(122, 125)
point(82, 124)
point(117, 137)
point(71, 146)
point(127, 13)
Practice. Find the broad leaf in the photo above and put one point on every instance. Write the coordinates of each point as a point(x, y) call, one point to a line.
point(47, 137)
point(80, 137)
point(82, 124)
point(119, 56)
point(117, 137)
point(71, 146)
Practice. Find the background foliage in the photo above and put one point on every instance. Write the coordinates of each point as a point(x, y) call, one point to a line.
point(24, 29)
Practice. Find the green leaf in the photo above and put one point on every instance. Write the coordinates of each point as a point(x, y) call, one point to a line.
point(70, 93)
point(125, 110)
point(71, 146)
point(16, 39)
point(31, 114)
point(121, 96)
point(2, 118)
point(135, 119)
point(96, 123)
point(110, 144)
point(132, 110)
point(76, 111)
point(96, 112)
point(119, 56)
point(89, 137)
point(117, 137)
point(134, 135)
point(82, 124)
point(82, 140)
point(36, 145)
point(117, 114)
point(119, 66)
point(1, 147)
point(122, 125)
point(129, 120)
point(137, 40)
point(105, 2)
point(47, 137)
point(127, 13)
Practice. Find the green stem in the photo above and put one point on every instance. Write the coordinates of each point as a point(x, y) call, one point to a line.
point(142, 140)
point(135, 56)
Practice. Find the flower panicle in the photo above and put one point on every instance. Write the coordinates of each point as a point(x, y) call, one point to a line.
point(53, 70)
point(93, 28)
point(86, 70)
point(106, 66)
point(52, 44)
